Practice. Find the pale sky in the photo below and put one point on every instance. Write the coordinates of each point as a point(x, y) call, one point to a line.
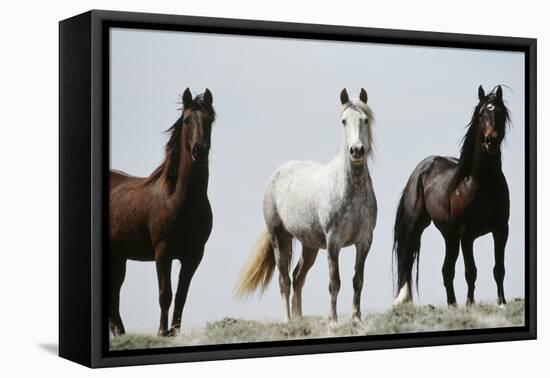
point(278, 100)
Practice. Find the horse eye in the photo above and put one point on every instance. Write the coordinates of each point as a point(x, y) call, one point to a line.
point(344, 122)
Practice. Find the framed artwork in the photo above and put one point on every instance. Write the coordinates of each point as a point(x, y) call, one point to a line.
point(234, 188)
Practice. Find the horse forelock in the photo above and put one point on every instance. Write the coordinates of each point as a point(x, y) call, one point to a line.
point(199, 104)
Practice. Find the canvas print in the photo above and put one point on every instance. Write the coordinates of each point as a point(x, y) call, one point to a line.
point(265, 189)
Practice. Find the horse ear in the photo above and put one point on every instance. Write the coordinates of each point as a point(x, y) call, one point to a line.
point(187, 98)
point(480, 93)
point(499, 92)
point(208, 96)
point(363, 95)
point(344, 98)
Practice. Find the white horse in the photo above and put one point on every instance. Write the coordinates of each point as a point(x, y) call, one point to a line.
point(323, 206)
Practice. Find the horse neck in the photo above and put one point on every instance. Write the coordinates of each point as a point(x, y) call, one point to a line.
point(191, 180)
point(483, 167)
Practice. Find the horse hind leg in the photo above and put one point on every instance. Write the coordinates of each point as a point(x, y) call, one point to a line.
point(282, 248)
point(299, 277)
point(409, 253)
point(409, 226)
point(118, 272)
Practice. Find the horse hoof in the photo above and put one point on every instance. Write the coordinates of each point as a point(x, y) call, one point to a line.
point(117, 332)
point(404, 296)
point(398, 302)
point(470, 303)
point(356, 318)
point(162, 333)
point(173, 332)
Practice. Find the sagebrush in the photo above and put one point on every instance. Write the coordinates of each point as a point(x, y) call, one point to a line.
point(402, 319)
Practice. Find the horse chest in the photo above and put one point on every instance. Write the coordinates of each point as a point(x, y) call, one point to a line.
point(188, 224)
point(351, 216)
point(462, 199)
point(476, 206)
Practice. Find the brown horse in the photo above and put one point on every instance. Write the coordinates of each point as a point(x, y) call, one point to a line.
point(165, 216)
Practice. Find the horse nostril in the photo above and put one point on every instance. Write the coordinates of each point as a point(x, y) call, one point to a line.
point(491, 136)
point(357, 151)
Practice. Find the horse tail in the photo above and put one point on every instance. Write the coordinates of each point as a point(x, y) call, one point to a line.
point(259, 268)
point(410, 221)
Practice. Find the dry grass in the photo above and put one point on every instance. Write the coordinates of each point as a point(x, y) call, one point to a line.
point(403, 319)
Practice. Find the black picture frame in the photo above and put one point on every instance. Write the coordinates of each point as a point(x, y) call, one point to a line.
point(83, 195)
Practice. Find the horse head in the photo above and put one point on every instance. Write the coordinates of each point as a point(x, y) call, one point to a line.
point(491, 116)
point(357, 120)
point(198, 116)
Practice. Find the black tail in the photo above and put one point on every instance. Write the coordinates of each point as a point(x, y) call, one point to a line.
point(410, 222)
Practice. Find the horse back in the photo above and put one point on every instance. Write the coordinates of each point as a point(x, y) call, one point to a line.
point(117, 177)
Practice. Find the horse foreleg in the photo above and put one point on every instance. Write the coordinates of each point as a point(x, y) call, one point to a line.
point(362, 251)
point(118, 271)
point(188, 267)
point(451, 254)
point(299, 277)
point(470, 269)
point(334, 276)
point(164, 267)
point(500, 238)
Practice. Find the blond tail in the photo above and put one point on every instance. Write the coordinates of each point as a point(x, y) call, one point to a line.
point(258, 270)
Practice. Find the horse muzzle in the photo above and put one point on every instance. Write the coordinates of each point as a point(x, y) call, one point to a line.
point(357, 154)
point(491, 145)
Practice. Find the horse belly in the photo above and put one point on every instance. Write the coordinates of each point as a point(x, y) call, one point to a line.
point(134, 248)
point(312, 238)
point(297, 213)
point(304, 226)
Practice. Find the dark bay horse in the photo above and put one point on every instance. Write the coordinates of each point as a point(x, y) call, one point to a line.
point(165, 216)
point(464, 198)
